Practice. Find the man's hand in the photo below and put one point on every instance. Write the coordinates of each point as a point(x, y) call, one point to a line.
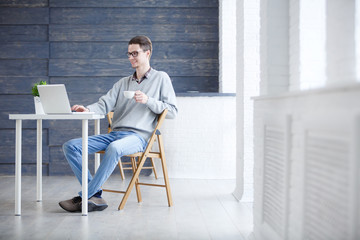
point(79, 108)
point(141, 97)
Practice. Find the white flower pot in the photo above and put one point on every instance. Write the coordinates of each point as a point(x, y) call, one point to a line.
point(38, 106)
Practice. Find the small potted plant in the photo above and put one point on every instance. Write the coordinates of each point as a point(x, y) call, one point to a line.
point(34, 91)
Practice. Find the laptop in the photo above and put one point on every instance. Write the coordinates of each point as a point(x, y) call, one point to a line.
point(54, 99)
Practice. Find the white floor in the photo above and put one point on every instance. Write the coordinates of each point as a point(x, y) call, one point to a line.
point(203, 209)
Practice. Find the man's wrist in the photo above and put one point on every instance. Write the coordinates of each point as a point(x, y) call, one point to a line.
point(149, 101)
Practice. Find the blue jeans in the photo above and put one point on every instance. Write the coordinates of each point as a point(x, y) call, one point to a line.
point(116, 144)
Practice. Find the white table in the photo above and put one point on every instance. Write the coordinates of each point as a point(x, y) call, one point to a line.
point(85, 119)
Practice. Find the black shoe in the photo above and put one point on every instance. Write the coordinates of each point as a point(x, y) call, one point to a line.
point(96, 204)
point(72, 205)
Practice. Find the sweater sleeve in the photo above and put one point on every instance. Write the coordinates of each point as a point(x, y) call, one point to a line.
point(106, 102)
point(167, 99)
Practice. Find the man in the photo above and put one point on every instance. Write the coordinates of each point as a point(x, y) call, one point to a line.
point(133, 122)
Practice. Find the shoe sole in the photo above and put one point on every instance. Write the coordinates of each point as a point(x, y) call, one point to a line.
point(63, 207)
point(93, 207)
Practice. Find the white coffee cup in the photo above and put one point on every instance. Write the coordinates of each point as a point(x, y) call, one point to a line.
point(129, 94)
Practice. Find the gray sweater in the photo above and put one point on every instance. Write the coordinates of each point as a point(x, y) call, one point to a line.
point(137, 117)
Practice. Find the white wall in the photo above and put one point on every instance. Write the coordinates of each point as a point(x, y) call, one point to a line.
point(239, 189)
point(274, 44)
point(357, 40)
point(248, 77)
point(201, 141)
point(341, 45)
point(227, 46)
point(312, 44)
point(307, 44)
point(251, 88)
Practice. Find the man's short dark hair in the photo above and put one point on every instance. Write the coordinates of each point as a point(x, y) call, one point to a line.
point(143, 41)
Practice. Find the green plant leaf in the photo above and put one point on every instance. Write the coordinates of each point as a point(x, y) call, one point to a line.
point(34, 89)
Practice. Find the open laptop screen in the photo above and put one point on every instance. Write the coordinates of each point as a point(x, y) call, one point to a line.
point(54, 98)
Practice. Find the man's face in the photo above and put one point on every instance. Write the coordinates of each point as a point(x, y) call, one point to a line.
point(142, 57)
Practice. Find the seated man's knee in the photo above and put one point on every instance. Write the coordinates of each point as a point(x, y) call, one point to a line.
point(114, 148)
point(70, 145)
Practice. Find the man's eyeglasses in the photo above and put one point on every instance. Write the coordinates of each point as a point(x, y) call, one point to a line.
point(134, 53)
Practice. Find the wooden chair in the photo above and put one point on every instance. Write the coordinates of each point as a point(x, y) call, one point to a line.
point(138, 165)
point(120, 163)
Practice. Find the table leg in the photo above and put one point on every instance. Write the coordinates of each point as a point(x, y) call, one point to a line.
point(97, 155)
point(18, 168)
point(84, 167)
point(39, 162)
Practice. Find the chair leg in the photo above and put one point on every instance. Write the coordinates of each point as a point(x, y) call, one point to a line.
point(121, 169)
point(137, 187)
point(165, 173)
point(153, 167)
point(132, 182)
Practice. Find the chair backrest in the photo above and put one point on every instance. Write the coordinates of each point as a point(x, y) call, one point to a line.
point(156, 135)
point(160, 121)
point(161, 118)
point(110, 116)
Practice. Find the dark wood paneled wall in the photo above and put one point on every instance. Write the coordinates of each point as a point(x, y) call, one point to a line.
point(83, 44)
